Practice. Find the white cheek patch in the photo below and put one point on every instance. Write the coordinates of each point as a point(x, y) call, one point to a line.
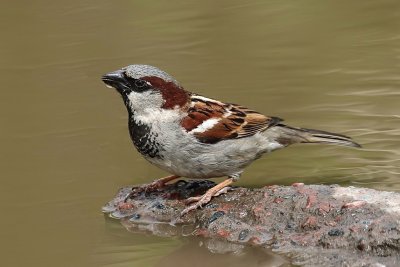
point(206, 125)
point(147, 107)
point(109, 86)
point(140, 102)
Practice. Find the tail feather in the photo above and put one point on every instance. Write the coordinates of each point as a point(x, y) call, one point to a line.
point(317, 136)
point(304, 135)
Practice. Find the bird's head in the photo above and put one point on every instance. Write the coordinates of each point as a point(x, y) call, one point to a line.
point(145, 88)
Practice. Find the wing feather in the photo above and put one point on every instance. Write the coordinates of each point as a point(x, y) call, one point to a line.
point(211, 121)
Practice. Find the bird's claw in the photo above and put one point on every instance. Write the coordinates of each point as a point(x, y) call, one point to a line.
point(202, 200)
point(144, 188)
point(192, 199)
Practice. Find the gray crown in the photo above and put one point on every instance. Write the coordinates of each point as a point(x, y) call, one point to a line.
point(139, 71)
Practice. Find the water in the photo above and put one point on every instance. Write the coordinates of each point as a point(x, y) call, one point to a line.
point(332, 65)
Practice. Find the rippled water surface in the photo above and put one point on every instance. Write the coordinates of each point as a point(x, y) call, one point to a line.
point(332, 65)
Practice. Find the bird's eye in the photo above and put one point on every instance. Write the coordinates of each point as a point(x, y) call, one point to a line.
point(140, 84)
point(137, 84)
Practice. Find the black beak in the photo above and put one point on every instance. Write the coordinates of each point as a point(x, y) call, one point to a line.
point(117, 80)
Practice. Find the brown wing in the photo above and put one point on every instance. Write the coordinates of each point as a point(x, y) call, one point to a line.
point(211, 121)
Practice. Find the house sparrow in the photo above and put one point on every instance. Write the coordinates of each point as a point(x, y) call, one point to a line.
point(198, 137)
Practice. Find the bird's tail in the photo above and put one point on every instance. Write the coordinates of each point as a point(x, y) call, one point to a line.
point(290, 135)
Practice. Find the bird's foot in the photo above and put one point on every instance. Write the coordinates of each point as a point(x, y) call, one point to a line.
point(200, 201)
point(144, 188)
point(154, 186)
point(198, 198)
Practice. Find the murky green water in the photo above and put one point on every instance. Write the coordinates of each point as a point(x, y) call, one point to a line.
point(331, 65)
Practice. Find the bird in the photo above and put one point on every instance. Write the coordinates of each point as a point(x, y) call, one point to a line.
point(193, 136)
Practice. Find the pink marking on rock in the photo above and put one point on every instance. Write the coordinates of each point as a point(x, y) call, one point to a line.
point(331, 223)
point(223, 233)
point(312, 198)
point(324, 207)
point(310, 222)
point(125, 206)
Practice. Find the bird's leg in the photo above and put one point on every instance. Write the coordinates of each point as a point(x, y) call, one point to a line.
point(157, 184)
point(204, 199)
point(160, 183)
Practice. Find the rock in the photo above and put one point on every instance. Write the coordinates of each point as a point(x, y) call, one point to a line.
point(311, 224)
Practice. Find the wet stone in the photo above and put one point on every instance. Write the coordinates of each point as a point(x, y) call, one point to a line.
point(159, 205)
point(211, 206)
point(215, 216)
point(290, 226)
point(135, 217)
point(308, 236)
point(336, 232)
point(243, 234)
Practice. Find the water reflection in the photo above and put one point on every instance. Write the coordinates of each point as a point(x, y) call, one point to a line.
point(120, 248)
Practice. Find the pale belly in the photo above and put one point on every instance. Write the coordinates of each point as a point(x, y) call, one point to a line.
point(225, 158)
